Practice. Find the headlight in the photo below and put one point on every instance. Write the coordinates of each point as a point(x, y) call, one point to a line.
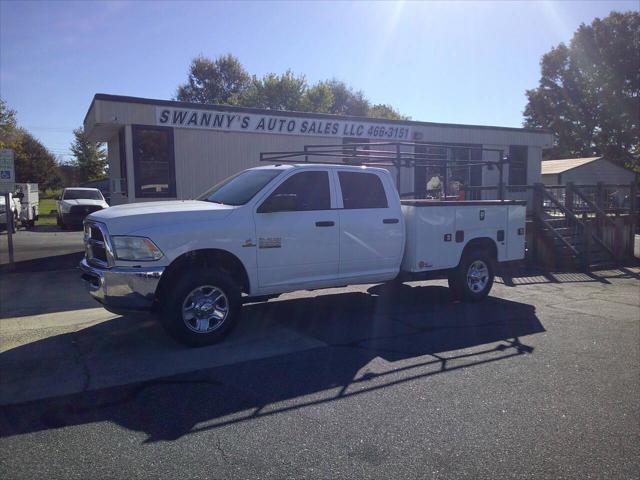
point(64, 208)
point(135, 249)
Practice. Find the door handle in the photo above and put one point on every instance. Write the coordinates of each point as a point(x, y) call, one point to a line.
point(390, 220)
point(325, 224)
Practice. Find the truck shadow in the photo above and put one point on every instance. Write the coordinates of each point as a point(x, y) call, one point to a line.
point(366, 343)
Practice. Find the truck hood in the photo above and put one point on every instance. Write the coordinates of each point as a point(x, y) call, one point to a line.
point(135, 217)
point(85, 202)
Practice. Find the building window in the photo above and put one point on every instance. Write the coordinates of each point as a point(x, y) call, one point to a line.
point(362, 190)
point(311, 190)
point(518, 164)
point(352, 150)
point(429, 180)
point(153, 162)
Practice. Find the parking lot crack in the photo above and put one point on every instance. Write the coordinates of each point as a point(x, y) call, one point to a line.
point(221, 450)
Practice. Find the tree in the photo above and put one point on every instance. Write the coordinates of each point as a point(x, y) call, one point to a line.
point(346, 101)
point(318, 98)
point(222, 80)
point(34, 163)
point(8, 125)
point(225, 81)
point(90, 157)
point(276, 92)
point(386, 111)
point(589, 91)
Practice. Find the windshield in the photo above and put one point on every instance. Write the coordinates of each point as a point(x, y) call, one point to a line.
point(82, 195)
point(240, 188)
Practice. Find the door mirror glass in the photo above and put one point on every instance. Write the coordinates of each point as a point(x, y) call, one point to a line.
point(280, 202)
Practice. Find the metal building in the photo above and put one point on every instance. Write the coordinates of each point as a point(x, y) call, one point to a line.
point(585, 171)
point(161, 150)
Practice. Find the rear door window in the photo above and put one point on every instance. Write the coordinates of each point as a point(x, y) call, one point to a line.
point(362, 190)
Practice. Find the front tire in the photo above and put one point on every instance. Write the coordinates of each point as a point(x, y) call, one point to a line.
point(472, 280)
point(201, 308)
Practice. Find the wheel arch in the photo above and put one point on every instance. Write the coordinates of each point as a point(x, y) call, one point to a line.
point(484, 244)
point(222, 260)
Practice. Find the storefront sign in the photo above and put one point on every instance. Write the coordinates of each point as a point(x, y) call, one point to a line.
point(284, 125)
point(7, 171)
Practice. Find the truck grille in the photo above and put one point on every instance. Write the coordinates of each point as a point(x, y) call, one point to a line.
point(84, 209)
point(96, 244)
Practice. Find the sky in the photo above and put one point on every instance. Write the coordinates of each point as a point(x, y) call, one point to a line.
point(452, 62)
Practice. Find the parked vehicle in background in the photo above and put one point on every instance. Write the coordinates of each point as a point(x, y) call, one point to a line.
point(29, 198)
point(76, 203)
point(281, 228)
point(14, 207)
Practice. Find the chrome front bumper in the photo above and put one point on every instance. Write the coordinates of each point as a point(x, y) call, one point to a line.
point(122, 289)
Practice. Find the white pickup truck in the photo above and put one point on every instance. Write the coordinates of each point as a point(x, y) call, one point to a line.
point(281, 228)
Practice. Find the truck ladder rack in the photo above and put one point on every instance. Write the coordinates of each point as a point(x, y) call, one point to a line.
point(392, 154)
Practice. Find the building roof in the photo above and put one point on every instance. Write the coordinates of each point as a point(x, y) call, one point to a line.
point(234, 108)
point(554, 167)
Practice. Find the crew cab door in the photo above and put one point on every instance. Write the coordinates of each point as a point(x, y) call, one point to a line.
point(297, 232)
point(371, 225)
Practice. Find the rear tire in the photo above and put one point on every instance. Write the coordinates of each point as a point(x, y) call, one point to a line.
point(201, 308)
point(472, 280)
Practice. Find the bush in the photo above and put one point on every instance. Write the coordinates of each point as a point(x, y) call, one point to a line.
point(51, 193)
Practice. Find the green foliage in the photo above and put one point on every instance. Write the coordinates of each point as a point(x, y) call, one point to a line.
point(8, 126)
point(45, 207)
point(52, 193)
point(318, 98)
point(225, 81)
point(386, 111)
point(589, 91)
point(346, 101)
point(33, 162)
point(214, 81)
point(89, 157)
point(276, 92)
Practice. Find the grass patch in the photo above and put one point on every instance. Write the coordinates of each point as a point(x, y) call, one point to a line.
point(45, 217)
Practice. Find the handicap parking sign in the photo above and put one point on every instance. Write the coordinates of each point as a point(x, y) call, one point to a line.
point(7, 169)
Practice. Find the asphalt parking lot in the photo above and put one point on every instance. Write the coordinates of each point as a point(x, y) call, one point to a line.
point(45, 248)
point(541, 380)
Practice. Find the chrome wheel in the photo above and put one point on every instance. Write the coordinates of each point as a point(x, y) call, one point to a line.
point(477, 276)
point(205, 309)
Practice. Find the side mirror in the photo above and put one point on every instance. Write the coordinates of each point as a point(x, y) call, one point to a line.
point(281, 202)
